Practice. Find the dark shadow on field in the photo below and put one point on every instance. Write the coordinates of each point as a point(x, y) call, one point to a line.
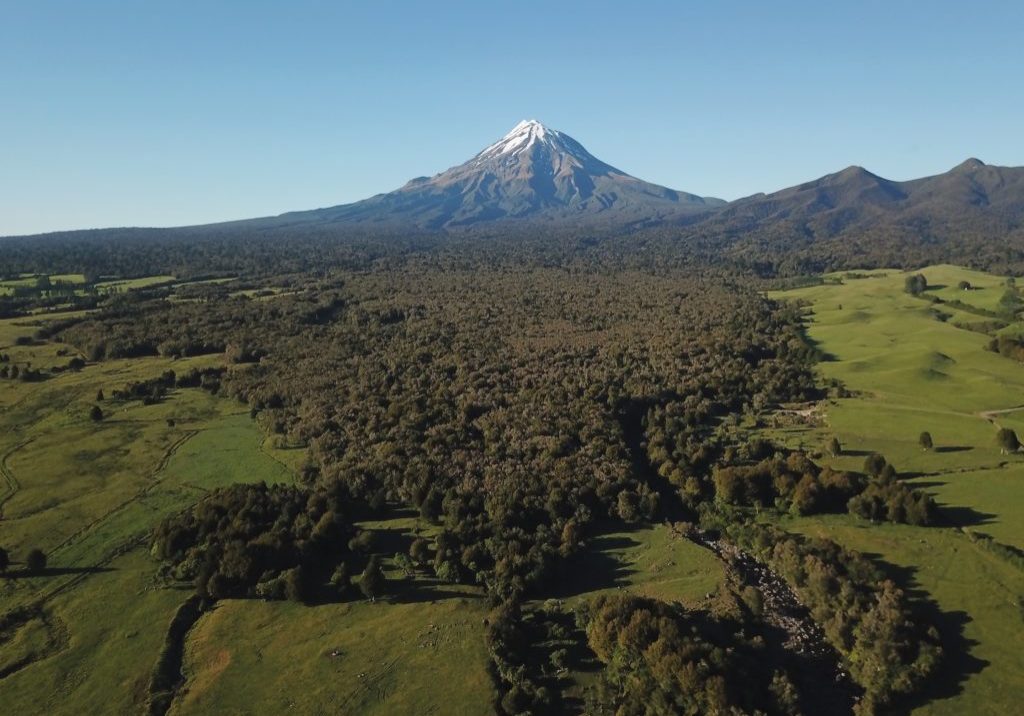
point(953, 448)
point(936, 287)
point(54, 572)
point(419, 591)
point(390, 540)
point(594, 568)
point(856, 453)
point(960, 516)
point(957, 663)
point(823, 355)
point(928, 484)
point(580, 659)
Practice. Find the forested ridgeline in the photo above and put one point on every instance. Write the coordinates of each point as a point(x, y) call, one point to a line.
point(781, 248)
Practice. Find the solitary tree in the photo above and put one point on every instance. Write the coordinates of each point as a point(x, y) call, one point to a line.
point(99, 395)
point(925, 440)
point(628, 506)
point(1007, 440)
point(916, 284)
point(371, 583)
point(404, 563)
point(295, 585)
point(419, 551)
point(364, 542)
point(96, 413)
point(835, 449)
point(964, 285)
point(340, 580)
point(874, 464)
point(5, 560)
point(36, 560)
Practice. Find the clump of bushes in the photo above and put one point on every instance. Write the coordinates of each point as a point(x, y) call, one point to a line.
point(257, 541)
point(885, 639)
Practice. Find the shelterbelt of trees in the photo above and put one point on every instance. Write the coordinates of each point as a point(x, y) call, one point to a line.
point(519, 404)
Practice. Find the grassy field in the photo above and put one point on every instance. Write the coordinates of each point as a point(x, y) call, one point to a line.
point(133, 283)
point(647, 561)
point(8, 287)
point(913, 373)
point(87, 494)
point(357, 657)
point(910, 372)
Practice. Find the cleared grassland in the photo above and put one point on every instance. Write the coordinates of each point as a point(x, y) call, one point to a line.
point(87, 494)
point(648, 561)
point(357, 657)
point(912, 372)
point(129, 284)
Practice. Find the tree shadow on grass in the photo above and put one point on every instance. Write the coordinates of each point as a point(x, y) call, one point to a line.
point(926, 484)
point(391, 540)
point(595, 568)
point(823, 355)
point(54, 572)
point(960, 516)
point(958, 664)
point(953, 448)
point(419, 591)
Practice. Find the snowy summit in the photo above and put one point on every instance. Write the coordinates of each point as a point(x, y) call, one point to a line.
point(522, 137)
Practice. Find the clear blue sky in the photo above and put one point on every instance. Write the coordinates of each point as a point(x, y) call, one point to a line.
point(136, 112)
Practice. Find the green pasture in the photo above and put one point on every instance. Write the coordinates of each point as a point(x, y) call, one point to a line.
point(911, 372)
point(420, 657)
point(133, 283)
point(87, 494)
point(912, 369)
point(648, 561)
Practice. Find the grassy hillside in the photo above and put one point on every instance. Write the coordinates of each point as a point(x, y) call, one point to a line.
point(912, 369)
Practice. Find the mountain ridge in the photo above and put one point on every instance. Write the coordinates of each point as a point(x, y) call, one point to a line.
point(535, 176)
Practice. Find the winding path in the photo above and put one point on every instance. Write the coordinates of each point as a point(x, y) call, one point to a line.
point(990, 415)
point(5, 471)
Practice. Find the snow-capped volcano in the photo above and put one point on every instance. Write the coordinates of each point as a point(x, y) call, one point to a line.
point(533, 172)
point(523, 136)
